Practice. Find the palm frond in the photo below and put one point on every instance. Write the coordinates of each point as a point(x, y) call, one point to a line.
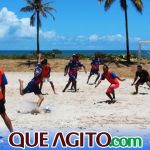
point(47, 4)
point(108, 3)
point(49, 8)
point(38, 1)
point(27, 9)
point(138, 5)
point(100, 1)
point(32, 19)
point(30, 2)
point(42, 12)
point(53, 17)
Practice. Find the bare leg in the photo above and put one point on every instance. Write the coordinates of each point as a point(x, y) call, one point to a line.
point(148, 83)
point(74, 83)
point(67, 85)
point(113, 93)
point(89, 78)
point(72, 86)
point(109, 95)
point(52, 85)
point(41, 85)
point(41, 99)
point(97, 78)
point(21, 86)
point(136, 87)
point(7, 122)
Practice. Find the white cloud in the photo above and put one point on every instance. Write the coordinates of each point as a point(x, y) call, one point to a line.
point(7, 20)
point(13, 27)
point(93, 37)
point(25, 30)
point(49, 34)
point(7, 17)
point(10, 25)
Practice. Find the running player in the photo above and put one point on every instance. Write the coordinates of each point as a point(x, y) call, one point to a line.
point(96, 61)
point(71, 69)
point(80, 65)
point(143, 76)
point(46, 76)
point(33, 85)
point(113, 79)
point(3, 82)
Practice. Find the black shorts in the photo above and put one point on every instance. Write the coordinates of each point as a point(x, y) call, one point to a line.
point(142, 81)
point(31, 87)
point(92, 72)
point(2, 106)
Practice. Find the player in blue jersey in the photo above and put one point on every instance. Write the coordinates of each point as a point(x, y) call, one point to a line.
point(96, 61)
point(33, 85)
point(80, 65)
point(72, 69)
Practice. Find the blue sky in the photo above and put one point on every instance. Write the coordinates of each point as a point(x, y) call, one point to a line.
point(79, 24)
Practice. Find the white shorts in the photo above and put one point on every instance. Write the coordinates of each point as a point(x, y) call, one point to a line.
point(46, 79)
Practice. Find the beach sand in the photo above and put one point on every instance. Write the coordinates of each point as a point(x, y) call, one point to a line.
point(20, 65)
point(85, 109)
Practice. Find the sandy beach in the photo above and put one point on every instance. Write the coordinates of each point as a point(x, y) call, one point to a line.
point(85, 109)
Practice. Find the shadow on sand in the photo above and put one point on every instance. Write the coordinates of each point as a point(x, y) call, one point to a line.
point(107, 102)
point(143, 93)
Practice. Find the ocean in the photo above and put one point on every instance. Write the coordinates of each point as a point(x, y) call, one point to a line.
point(65, 53)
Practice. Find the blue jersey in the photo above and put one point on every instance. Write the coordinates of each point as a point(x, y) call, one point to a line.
point(112, 75)
point(95, 63)
point(4, 80)
point(74, 66)
point(37, 74)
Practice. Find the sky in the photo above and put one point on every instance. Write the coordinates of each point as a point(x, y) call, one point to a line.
point(78, 25)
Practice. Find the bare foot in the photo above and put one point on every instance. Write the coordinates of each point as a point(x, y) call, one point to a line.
point(20, 81)
point(134, 93)
point(35, 111)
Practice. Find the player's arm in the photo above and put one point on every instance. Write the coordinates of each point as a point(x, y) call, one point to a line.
point(102, 78)
point(4, 82)
point(98, 83)
point(120, 79)
point(39, 55)
point(49, 71)
point(66, 70)
point(3, 91)
point(81, 65)
point(135, 78)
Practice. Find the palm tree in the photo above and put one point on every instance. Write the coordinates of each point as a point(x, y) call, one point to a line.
point(38, 8)
point(123, 3)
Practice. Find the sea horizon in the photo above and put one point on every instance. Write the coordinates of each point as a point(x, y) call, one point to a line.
point(66, 53)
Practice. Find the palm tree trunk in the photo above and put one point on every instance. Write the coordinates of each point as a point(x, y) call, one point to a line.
point(38, 29)
point(127, 36)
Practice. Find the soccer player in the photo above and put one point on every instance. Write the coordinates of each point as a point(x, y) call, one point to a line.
point(72, 69)
point(33, 85)
point(3, 82)
point(46, 76)
point(80, 65)
point(113, 79)
point(96, 61)
point(143, 76)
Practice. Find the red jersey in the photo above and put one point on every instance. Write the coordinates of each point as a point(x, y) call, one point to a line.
point(46, 71)
point(110, 76)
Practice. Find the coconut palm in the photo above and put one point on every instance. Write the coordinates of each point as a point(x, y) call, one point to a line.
point(38, 7)
point(123, 3)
